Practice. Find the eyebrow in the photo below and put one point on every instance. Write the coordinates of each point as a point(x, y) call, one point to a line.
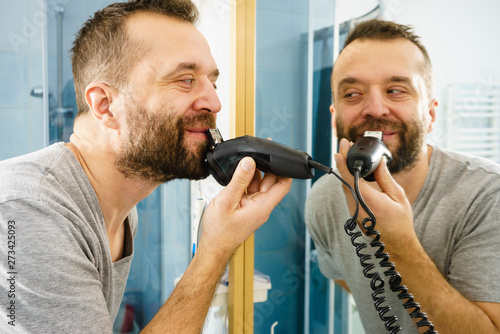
point(190, 66)
point(346, 81)
point(401, 79)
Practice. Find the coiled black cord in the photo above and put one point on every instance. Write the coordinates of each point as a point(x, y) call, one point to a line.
point(376, 282)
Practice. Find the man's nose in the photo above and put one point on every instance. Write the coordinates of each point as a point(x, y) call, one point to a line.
point(207, 99)
point(375, 105)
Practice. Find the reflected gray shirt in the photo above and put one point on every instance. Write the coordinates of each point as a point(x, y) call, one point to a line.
point(63, 279)
point(456, 220)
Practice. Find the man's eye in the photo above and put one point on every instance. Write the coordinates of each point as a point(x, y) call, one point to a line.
point(189, 81)
point(348, 95)
point(395, 91)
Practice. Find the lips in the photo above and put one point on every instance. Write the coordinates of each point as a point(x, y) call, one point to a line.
point(200, 132)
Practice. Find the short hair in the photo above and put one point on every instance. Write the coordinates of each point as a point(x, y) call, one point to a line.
point(103, 52)
point(381, 30)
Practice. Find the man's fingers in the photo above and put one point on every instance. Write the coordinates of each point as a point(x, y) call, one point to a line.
point(344, 146)
point(340, 160)
point(387, 183)
point(274, 189)
point(255, 183)
point(243, 175)
point(268, 181)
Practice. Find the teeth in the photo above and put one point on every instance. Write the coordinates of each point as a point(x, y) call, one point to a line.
point(375, 134)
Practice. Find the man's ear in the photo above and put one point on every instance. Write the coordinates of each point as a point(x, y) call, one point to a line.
point(99, 97)
point(432, 114)
point(332, 111)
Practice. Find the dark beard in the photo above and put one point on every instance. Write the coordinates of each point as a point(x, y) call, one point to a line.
point(411, 139)
point(155, 149)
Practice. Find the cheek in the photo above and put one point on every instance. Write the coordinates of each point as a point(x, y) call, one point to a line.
point(347, 118)
point(427, 122)
point(427, 125)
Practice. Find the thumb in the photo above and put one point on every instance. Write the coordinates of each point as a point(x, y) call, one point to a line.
point(240, 181)
point(340, 160)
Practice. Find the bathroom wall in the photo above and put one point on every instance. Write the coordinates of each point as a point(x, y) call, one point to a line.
point(21, 115)
point(462, 42)
point(21, 66)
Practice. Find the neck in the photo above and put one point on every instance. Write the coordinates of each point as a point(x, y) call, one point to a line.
point(117, 194)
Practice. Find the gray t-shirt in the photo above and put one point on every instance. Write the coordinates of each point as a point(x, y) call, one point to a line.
point(456, 220)
point(57, 272)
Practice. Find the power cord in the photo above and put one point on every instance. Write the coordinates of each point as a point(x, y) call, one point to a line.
point(376, 281)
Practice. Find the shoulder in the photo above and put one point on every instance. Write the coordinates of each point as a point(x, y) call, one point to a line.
point(461, 190)
point(48, 190)
point(46, 157)
point(25, 176)
point(459, 170)
point(445, 158)
point(327, 187)
point(326, 201)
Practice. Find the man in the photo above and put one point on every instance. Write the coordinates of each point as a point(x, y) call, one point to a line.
point(438, 211)
point(145, 83)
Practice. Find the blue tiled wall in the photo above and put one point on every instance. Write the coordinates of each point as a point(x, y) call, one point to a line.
point(21, 129)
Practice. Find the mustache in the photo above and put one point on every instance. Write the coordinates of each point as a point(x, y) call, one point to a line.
point(375, 124)
point(201, 120)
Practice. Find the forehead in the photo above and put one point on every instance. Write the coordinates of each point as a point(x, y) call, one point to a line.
point(376, 60)
point(169, 41)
